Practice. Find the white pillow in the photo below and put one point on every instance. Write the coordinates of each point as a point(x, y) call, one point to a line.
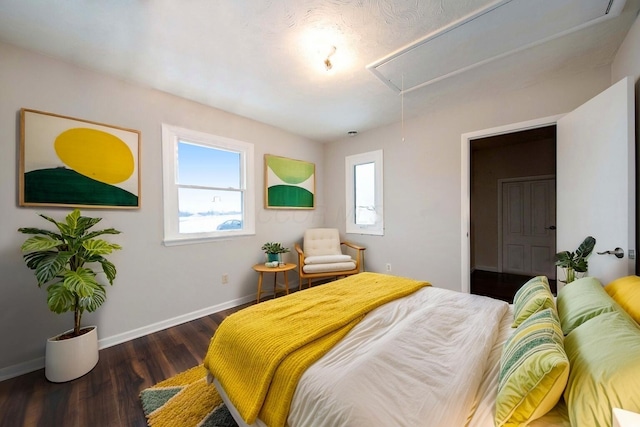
point(326, 259)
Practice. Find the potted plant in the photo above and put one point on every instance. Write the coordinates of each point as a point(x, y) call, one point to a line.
point(67, 262)
point(576, 262)
point(273, 251)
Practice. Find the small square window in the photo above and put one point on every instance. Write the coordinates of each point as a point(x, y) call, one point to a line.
point(364, 193)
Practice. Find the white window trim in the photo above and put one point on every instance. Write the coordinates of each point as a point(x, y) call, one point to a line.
point(170, 137)
point(376, 229)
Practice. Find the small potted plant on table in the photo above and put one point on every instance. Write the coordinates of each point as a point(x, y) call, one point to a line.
point(273, 251)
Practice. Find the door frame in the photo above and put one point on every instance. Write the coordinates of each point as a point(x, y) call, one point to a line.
point(465, 196)
point(501, 181)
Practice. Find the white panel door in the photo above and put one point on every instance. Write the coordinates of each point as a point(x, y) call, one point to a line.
point(596, 180)
point(528, 227)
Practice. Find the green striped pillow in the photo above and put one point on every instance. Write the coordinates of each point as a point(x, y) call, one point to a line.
point(533, 370)
point(533, 296)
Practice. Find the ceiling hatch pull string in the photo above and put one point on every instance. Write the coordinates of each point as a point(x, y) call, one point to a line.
point(402, 108)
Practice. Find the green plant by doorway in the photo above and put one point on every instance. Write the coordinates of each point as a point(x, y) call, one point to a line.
point(576, 261)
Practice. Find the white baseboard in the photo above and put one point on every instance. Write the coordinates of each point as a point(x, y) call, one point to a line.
point(35, 364)
point(21, 368)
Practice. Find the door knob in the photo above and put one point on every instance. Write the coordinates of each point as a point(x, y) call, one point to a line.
point(618, 252)
point(553, 227)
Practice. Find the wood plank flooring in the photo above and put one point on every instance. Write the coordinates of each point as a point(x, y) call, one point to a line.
point(108, 395)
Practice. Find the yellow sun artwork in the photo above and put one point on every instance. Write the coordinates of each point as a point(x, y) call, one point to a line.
point(66, 161)
point(96, 154)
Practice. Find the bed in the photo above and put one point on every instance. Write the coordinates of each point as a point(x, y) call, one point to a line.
point(429, 356)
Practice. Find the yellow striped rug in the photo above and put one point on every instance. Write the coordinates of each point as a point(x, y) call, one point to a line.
point(185, 400)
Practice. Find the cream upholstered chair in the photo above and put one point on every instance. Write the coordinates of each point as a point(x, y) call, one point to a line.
point(321, 256)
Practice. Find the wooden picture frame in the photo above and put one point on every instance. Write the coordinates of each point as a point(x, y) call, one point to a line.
point(72, 162)
point(289, 183)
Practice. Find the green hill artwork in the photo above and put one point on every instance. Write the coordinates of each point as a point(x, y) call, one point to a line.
point(288, 181)
point(66, 186)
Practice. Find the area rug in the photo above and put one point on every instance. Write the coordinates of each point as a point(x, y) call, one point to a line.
point(185, 400)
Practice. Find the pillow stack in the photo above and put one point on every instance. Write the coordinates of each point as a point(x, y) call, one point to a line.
point(534, 367)
point(602, 344)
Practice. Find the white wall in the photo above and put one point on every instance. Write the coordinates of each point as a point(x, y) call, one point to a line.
point(155, 285)
point(422, 175)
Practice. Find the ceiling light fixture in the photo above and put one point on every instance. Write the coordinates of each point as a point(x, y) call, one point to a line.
point(327, 62)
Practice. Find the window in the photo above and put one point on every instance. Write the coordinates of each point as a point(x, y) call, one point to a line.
point(364, 193)
point(208, 186)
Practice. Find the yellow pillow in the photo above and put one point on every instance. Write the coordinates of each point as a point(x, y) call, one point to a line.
point(535, 295)
point(626, 292)
point(533, 370)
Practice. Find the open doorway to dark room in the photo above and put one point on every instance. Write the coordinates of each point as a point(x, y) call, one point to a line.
point(512, 210)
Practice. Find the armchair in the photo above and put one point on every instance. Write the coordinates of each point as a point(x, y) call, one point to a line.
point(321, 256)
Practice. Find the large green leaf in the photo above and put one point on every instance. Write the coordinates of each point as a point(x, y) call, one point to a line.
point(33, 230)
point(100, 232)
point(40, 243)
point(97, 298)
point(33, 259)
point(563, 259)
point(85, 223)
point(71, 224)
point(51, 266)
point(99, 247)
point(82, 281)
point(109, 269)
point(581, 265)
point(51, 220)
point(60, 299)
point(586, 247)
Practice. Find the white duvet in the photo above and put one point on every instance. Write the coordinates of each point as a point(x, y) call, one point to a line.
point(417, 361)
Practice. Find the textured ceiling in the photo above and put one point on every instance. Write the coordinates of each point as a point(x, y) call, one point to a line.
point(263, 59)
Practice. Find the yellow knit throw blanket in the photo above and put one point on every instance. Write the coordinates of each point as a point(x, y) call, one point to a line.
point(258, 354)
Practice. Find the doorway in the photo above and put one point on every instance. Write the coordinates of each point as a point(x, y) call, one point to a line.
point(512, 210)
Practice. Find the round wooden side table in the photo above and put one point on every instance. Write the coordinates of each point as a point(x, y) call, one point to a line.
point(261, 269)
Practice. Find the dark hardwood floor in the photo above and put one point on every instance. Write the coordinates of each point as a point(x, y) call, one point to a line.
point(108, 395)
point(500, 285)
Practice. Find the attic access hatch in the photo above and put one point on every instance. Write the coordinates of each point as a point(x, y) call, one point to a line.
point(499, 29)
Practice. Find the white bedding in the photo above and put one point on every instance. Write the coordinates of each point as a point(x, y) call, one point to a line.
point(429, 359)
point(415, 361)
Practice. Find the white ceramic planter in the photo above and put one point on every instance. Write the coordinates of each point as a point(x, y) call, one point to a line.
point(69, 359)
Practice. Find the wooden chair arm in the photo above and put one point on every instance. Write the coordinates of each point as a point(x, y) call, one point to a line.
point(300, 255)
point(353, 246)
point(359, 255)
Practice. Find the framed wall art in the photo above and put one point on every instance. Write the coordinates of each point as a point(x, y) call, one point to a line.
point(289, 183)
point(77, 163)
